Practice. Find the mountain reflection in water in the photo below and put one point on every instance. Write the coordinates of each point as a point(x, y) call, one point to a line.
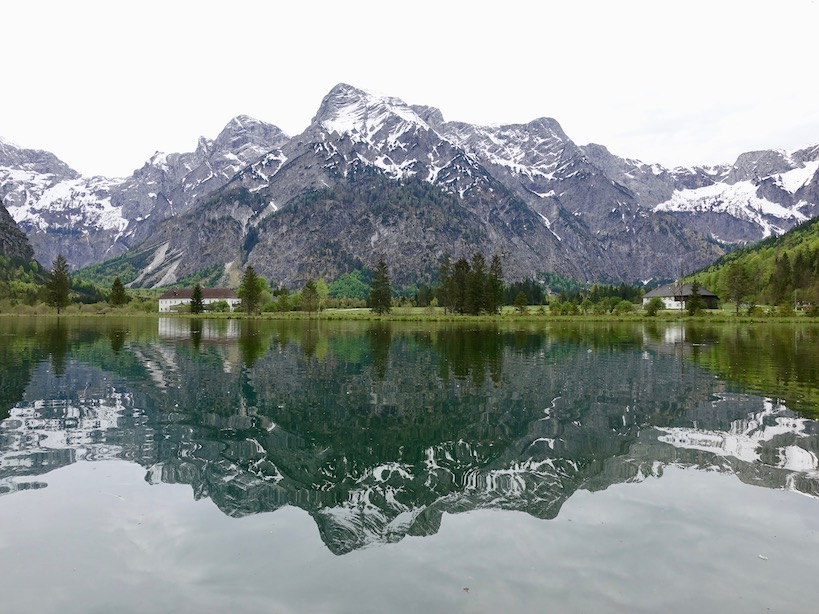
point(377, 429)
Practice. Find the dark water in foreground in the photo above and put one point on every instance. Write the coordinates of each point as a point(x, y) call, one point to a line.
point(206, 466)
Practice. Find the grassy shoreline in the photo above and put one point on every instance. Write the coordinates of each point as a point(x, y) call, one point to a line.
point(425, 314)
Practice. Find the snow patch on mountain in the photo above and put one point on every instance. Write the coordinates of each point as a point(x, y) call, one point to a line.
point(532, 150)
point(32, 182)
point(549, 226)
point(159, 160)
point(261, 172)
point(82, 203)
point(795, 179)
point(742, 200)
point(393, 169)
point(363, 115)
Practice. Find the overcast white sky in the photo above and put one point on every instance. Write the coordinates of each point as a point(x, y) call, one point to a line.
point(104, 85)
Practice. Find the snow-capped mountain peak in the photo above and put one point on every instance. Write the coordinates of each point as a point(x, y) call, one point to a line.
point(16, 158)
point(757, 164)
point(73, 203)
point(159, 159)
point(55, 205)
point(243, 122)
point(531, 150)
point(6, 143)
point(365, 116)
point(243, 131)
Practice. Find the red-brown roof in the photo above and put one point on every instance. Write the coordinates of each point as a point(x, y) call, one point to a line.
point(187, 293)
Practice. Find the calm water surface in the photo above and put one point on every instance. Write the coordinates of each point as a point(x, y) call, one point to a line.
point(205, 466)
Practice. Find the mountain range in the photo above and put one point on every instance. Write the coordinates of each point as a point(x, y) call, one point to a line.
point(372, 175)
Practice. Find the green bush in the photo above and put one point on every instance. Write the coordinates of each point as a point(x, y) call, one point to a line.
point(785, 309)
point(218, 307)
point(654, 305)
point(623, 307)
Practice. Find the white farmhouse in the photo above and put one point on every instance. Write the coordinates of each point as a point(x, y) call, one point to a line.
point(173, 298)
point(675, 296)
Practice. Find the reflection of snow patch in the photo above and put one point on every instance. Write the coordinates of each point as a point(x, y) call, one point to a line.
point(548, 411)
point(724, 444)
point(795, 458)
point(745, 438)
point(34, 429)
point(382, 473)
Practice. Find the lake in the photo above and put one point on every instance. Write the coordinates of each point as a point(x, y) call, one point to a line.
point(173, 465)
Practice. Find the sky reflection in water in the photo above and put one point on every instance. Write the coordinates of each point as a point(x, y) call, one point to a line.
point(382, 437)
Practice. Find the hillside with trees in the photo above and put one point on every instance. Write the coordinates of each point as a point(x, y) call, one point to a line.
point(782, 271)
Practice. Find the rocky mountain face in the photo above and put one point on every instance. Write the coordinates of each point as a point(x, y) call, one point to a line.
point(13, 242)
point(373, 175)
point(762, 193)
point(89, 219)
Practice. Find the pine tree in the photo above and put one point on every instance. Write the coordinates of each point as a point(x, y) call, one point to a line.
point(58, 283)
point(117, 297)
point(444, 290)
point(494, 287)
point(250, 290)
point(283, 304)
point(476, 285)
point(800, 271)
point(197, 303)
point(521, 302)
point(380, 290)
point(460, 275)
point(737, 284)
point(780, 286)
point(695, 303)
point(309, 296)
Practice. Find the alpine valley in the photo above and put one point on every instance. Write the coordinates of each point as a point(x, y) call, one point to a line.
point(373, 176)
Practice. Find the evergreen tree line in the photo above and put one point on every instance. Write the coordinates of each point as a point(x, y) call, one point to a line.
point(470, 287)
point(575, 300)
point(599, 292)
point(257, 296)
point(463, 287)
point(788, 285)
point(531, 290)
